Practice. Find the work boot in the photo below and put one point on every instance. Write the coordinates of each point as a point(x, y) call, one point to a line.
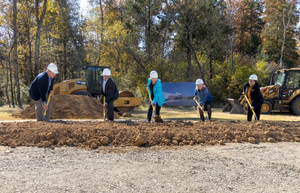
point(158, 119)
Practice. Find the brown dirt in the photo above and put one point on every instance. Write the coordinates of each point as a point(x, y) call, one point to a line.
point(69, 107)
point(96, 134)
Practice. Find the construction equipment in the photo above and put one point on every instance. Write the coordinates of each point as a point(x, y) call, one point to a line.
point(251, 107)
point(202, 109)
point(45, 112)
point(283, 93)
point(90, 86)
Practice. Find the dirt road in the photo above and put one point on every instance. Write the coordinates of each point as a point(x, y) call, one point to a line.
point(264, 167)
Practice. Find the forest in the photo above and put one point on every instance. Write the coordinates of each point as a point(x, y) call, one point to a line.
point(221, 41)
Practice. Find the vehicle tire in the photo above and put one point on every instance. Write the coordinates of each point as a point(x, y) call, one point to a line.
point(295, 106)
point(266, 107)
point(84, 93)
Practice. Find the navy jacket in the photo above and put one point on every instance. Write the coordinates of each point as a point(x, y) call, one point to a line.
point(111, 92)
point(203, 96)
point(39, 87)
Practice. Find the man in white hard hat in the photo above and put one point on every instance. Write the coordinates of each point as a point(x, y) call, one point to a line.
point(204, 98)
point(154, 87)
point(39, 90)
point(110, 91)
point(252, 91)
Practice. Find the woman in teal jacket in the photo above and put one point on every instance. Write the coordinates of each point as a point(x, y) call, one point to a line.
point(157, 97)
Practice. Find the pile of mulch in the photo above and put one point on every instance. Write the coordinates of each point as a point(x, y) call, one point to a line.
point(69, 107)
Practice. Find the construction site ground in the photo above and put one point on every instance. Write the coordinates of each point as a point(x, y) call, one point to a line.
point(227, 154)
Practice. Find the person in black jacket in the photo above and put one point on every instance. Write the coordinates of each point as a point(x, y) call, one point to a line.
point(252, 92)
point(110, 91)
point(39, 90)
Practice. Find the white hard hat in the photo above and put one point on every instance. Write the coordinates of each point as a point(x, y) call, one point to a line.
point(106, 72)
point(153, 74)
point(199, 81)
point(253, 77)
point(53, 68)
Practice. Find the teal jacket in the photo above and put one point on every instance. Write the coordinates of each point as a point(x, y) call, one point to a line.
point(157, 92)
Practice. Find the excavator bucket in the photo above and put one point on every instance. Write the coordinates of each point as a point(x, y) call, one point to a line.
point(234, 106)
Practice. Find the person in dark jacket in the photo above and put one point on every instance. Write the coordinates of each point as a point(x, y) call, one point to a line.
point(204, 98)
point(154, 87)
point(39, 91)
point(252, 92)
point(110, 91)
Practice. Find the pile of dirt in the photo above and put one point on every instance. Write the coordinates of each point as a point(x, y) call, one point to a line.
point(69, 107)
point(95, 134)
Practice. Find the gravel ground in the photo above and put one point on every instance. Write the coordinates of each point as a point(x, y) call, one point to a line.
point(264, 167)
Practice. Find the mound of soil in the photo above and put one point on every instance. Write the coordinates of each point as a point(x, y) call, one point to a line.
point(95, 134)
point(69, 107)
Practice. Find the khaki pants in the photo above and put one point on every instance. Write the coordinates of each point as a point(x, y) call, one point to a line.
point(39, 110)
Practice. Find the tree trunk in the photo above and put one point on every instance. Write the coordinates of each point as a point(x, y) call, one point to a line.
point(285, 26)
point(189, 56)
point(31, 75)
point(6, 86)
point(11, 85)
point(65, 61)
point(39, 22)
point(15, 53)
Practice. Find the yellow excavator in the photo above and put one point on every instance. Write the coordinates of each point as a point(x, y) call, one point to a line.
point(90, 86)
point(282, 95)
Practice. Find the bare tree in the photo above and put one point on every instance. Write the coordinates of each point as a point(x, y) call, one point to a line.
point(39, 22)
point(285, 27)
point(15, 53)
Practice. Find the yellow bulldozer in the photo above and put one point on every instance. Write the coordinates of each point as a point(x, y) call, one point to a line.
point(282, 95)
point(90, 86)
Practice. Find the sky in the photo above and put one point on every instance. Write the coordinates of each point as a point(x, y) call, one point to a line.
point(84, 6)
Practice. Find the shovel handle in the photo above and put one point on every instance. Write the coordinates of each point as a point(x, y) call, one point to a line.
point(200, 107)
point(104, 109)
point(45, 112)
point(250, 107)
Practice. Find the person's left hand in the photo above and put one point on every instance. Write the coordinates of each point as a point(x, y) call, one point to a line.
point(51, 92)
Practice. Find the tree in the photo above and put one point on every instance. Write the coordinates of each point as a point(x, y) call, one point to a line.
point(274, 34)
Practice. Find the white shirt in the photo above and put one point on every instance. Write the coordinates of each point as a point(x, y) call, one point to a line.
point(104, 84)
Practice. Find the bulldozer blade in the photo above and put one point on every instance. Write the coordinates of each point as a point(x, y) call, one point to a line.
point(233, 107)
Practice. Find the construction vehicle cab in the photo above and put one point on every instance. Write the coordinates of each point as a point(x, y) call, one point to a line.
point(283, 94)
point(91, 85)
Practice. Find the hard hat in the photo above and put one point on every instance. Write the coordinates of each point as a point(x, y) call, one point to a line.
point(199, 81)
point(253, 77)
point(106, 72)
point(53, 68)
point(153, 74)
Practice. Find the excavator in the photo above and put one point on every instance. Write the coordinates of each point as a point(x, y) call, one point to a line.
point(90, 86)
point(282, 95)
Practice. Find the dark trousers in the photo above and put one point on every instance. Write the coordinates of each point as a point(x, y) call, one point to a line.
point(256, 110)
point(110, 110)
point(207, 107)
point(150, 111)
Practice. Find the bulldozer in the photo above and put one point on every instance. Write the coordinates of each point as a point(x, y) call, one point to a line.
point(90, 86)
point(282, 95)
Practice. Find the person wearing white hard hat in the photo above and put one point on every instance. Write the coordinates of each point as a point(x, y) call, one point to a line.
point(154, 87)
point(204, 98)
point(110, 91)
point(252, 91)
point(39, 91)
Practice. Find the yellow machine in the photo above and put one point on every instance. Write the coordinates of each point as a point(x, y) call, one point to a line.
point(91, 87)
point(283, 93)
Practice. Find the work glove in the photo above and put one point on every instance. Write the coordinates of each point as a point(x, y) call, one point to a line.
point(45, 106)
